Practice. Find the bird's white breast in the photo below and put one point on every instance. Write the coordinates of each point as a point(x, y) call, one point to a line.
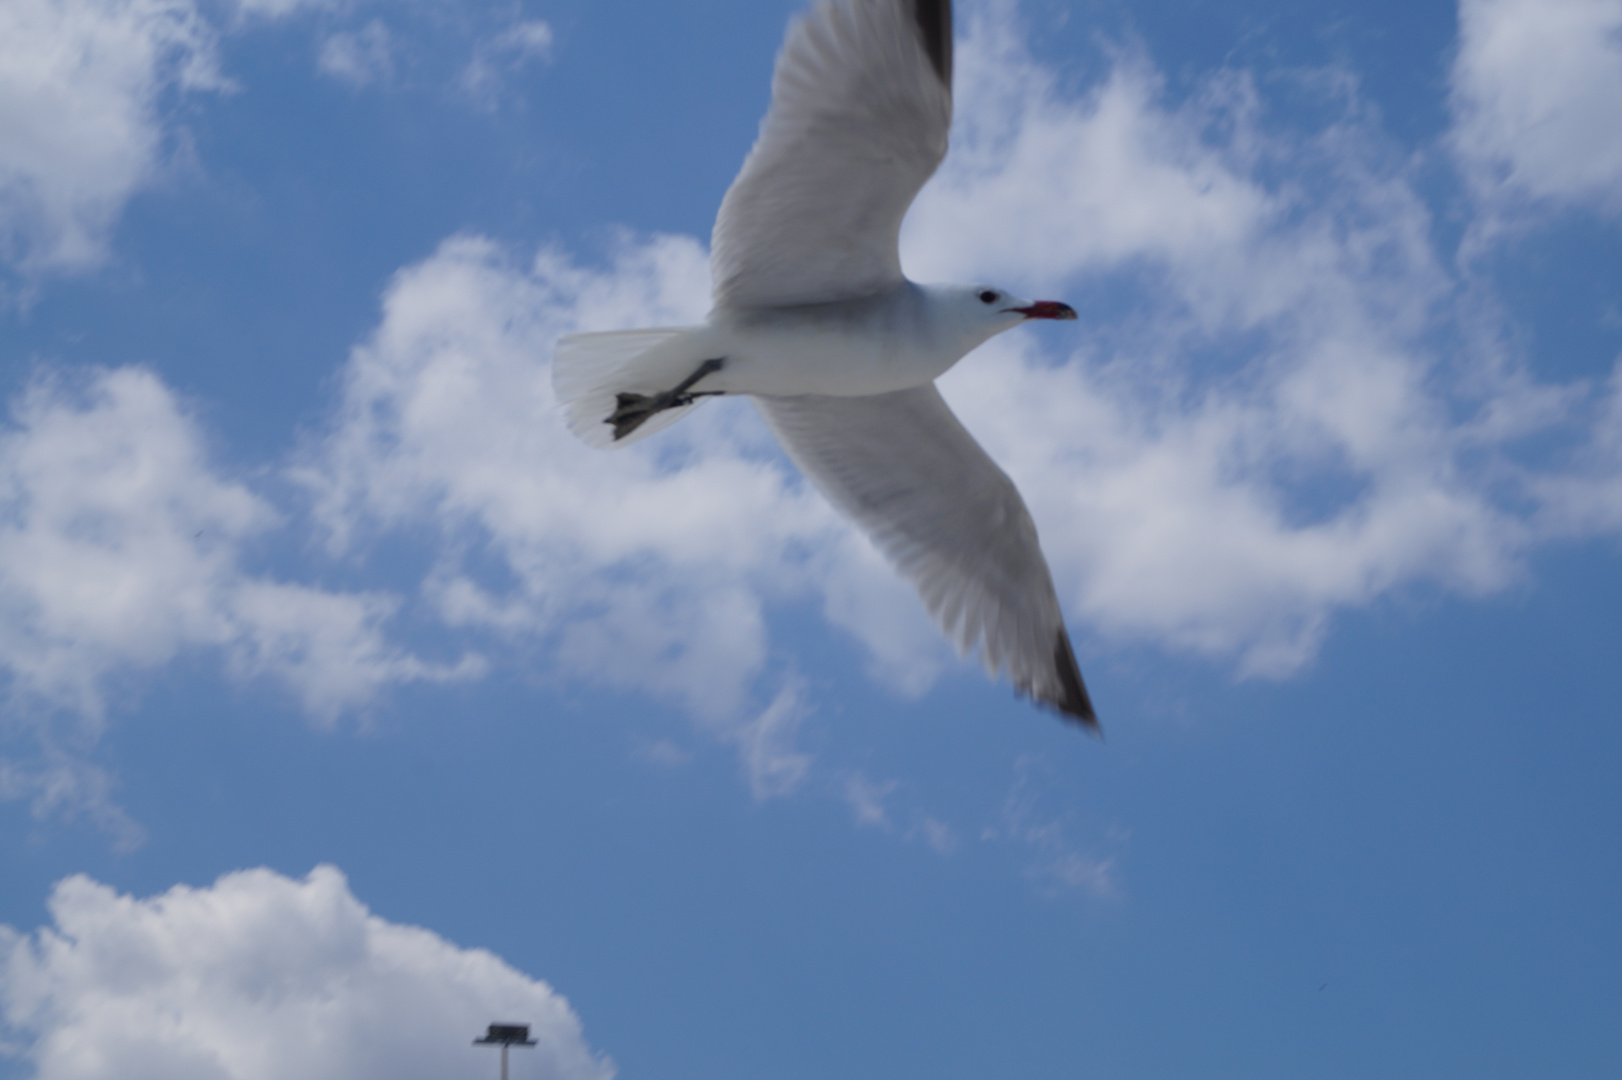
point(891, 341)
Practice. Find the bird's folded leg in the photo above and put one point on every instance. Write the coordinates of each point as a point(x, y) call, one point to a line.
point(634, 410)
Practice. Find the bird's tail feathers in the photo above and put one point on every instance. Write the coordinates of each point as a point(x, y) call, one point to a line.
point(594, 374)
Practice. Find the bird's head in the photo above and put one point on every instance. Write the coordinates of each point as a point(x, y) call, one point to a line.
point(984, 311)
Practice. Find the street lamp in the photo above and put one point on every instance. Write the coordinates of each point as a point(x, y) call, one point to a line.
point(505, 1035)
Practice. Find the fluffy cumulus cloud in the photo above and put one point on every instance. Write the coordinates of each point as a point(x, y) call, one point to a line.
point(87, 96)
point(121, 547)
point(655, 569)
point(1535, 89)
point(81, 89)
point(1261, 434)
point(651, 569)
point(261, 977)
point(1264, 433)
point(1276, 407)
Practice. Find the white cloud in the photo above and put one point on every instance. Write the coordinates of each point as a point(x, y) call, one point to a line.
point(651, 569)
point(662, 752)
point(524, 40)
point(936, 833)
point(1536, 86)
point(278, 9)
point(121, 549)
point(866, 798)
point(1586, 499)
point(1263, 434)
point(773, 763)
point(869, 802)
point(63, 786)
point(1055, 863)
point(85, 120)
point(503, 54)
point(363, 57)
point(1110, 178)
point(80, 123)
point(1262, 431)
point(118, 541)
point(647, 569)
point(261, 977)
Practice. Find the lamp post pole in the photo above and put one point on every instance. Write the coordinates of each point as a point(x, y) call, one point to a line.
point(504, 1036)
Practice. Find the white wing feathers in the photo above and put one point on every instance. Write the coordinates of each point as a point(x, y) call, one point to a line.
point(861, 106)
point(904, 468)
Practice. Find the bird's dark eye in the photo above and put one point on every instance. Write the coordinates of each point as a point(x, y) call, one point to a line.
point(988, 297)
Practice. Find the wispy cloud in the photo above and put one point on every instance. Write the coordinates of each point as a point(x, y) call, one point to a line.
point(62, 786)
point(502, 54)
point(866, 798)
point(870, 804)
point(941, 837)
point(772, 760)
point(277, 9)
point(1054, 860)
point(361, 57)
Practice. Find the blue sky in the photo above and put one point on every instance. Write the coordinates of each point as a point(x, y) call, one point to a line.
point(350, 704)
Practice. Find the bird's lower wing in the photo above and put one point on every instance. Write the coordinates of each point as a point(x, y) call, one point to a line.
point(905, 469)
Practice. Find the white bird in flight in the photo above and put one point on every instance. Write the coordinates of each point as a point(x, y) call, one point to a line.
point(815, 322)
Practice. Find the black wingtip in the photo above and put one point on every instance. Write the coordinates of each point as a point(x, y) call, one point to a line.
point(934, 18)
point(1074, 704)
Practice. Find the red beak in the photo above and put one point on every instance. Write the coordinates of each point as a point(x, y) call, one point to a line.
point(1045, 309)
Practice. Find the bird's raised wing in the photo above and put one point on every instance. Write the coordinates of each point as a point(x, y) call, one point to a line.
point(861, 104)
point(904, 468)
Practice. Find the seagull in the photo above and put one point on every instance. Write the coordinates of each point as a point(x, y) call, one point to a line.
point(814, 322)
